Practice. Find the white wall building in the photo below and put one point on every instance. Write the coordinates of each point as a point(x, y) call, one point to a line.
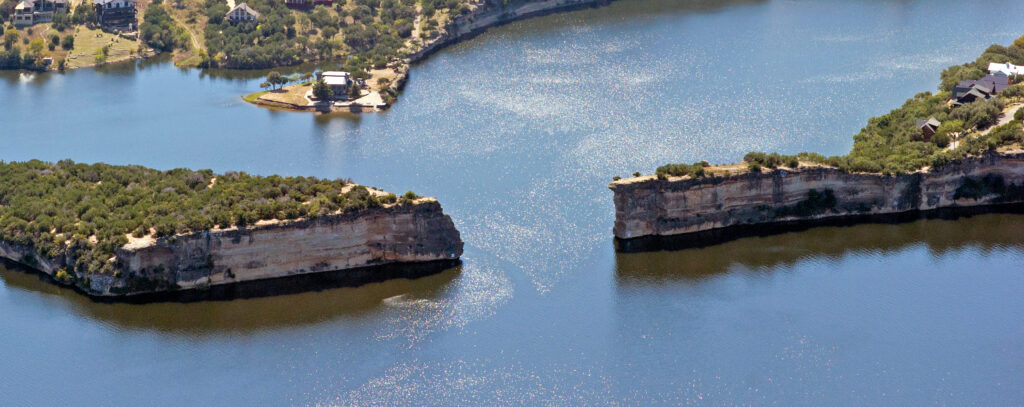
point(1006, 69)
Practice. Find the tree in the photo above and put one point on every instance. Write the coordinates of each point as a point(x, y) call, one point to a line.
point(68, 42)
point(957, 73)
point(354, 91)
point(321, 91)
point(84, 13)
point(274, 78)
point(947, 131)
point(10, 38)
point(1019, 42)
point(36, 46)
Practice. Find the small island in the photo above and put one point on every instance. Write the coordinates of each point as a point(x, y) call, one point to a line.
point(138, 234)
point(958, 151)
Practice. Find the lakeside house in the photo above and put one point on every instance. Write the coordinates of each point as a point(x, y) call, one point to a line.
point(29, 12)
point(338, 81)
point(242, 13)
point(1006, 69)
point(972, 90)
point(928, 127)
point(307, 4)
point(116, 14)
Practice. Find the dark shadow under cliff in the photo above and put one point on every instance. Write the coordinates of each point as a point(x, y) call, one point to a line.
point(985, 231)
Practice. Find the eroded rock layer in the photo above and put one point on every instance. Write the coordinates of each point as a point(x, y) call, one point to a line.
point(647, 206)
point(362, 241)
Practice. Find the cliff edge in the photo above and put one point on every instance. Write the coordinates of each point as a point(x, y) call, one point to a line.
point(354, 247)
point(652, 207)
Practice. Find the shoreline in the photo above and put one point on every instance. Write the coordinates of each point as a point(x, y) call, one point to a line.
point(460, 29)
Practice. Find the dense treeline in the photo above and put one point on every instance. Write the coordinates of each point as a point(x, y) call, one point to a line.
point(364, 34)
point(159, 30)
point(893, 144)
point(91, 209)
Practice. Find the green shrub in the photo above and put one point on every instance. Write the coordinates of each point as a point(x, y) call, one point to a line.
point(696, 170)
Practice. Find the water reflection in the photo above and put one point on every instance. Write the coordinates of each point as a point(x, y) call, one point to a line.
point(245, 315)
point(985, 232)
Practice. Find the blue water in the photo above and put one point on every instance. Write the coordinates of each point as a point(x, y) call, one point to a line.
point(517, 132)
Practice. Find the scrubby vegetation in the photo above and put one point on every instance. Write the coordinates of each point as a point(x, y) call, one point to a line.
point(894, 144)
point(363, 34)
point(90, 210)
point(159, 30)
point(696, 170)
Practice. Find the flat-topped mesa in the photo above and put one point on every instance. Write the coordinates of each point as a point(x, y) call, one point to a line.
point(187, 235)
point(679, 206)
point(417, 233)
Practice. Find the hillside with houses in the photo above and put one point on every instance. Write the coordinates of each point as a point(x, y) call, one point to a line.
point(979, 108)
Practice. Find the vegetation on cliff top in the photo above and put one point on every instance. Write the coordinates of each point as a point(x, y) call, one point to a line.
point(893, 144)
point(365, 34)
point(90, 210)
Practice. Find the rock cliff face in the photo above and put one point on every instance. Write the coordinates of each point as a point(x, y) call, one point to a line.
point(354, 244)
point(494, 13)
point(646, 206)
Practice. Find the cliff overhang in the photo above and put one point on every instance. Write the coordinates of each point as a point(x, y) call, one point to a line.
point(654, 213)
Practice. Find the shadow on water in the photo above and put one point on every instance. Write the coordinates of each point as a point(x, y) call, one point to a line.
point(986, 232)
point(240, 315)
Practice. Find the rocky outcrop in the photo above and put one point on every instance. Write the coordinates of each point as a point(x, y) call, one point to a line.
point(647, 206)
point(351, 246)
point(493, 13)
point(490, 13)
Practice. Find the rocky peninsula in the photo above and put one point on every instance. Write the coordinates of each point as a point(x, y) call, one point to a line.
point(371, 236)
point(958, 150)
point(686, 209)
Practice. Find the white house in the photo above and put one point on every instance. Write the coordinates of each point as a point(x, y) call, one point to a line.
point(338, 81)
point(242, 12)
point(29, 12)
point(1005, 69)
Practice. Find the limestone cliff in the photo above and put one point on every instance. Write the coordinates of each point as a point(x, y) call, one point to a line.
point(494, 13)
point(356, 243)
point(647, 206)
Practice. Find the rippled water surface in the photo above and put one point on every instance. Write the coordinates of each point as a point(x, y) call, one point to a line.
point(518, 132)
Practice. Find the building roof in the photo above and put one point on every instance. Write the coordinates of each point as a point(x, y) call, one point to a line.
point(336, 81)
point(248, 10)
point(326, 74)
point(1005, 68)
point(931, 122)
point(977, 93)
point(101, 2)
point(990, 84)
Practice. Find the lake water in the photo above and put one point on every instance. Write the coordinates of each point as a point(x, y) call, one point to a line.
point(518, 132)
